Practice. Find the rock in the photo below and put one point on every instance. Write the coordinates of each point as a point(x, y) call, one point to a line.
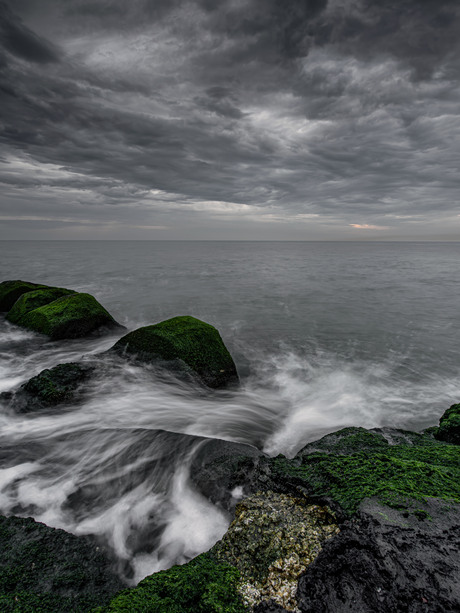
point(51, 387)
point(10, 291)
point(388, 560)
point(71, 316)
point(225, 472)
point(203, 585)
point(33, 300)
point(48, 570)
point(271, 541)
point(449, 426)
point(185, 345)
point(344, 468)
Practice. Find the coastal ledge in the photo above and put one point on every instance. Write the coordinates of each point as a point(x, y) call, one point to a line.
point(362, 520)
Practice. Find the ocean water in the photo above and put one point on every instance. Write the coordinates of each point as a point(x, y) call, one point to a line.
point(324, 335)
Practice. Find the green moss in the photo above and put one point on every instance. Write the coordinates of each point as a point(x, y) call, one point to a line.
point(449, 425)
point(394, 474)
point(71, 316)
point(197, 344)
point(33, 300)
point(47, 570)
point(201, 586)
point(10, 291)
point(56, 385)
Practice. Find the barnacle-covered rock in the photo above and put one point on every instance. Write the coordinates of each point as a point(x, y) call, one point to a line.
point(272, 540)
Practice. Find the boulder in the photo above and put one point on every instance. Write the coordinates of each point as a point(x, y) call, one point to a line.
point(271, 541)
point(187, 346)
point(387, 559)
point(48, 570)
point(449, 426)
point(203, 585)
point(50, 388)
point(71, 316)
point(10, 291)
point(32, 300)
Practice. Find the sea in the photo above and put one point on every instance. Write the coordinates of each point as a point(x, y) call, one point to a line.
point(325, 335)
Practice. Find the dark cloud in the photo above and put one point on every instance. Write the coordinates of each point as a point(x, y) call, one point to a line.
point(16, 38)
point(305, 113)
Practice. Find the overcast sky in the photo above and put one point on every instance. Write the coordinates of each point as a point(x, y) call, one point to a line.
point(230, 119)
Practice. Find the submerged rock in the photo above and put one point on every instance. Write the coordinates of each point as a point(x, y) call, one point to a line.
point(71, 316)
point(187, 346)
point(32, 300)
point(48, 570)
point(51, 387)
point(271, 541)
point(449, 426)
point(10, 291)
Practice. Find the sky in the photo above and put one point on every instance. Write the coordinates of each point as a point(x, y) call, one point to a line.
point(230, 119)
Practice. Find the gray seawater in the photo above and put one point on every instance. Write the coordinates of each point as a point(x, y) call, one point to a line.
point(324, 335)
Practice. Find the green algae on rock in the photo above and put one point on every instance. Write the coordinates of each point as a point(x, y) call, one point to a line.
point(187, 344)
point(10, 291)
point(51, 387)
point(449, 426)
point(271, 541)
point(203, 585)
point(71, 316)
point(32, 300)
point(345, 475)
point(47, 570)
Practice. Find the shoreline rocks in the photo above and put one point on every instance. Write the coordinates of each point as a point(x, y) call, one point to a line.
point(56, 312)
point(184, 345)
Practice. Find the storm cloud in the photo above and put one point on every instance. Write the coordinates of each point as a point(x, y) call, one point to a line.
point(301, 119)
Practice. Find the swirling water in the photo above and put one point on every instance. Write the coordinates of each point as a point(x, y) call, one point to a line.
point(325, 335)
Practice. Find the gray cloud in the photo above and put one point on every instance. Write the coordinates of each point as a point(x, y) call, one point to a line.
point(310, 118)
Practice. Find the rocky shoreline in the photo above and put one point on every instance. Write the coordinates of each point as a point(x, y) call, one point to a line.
point(360, 520)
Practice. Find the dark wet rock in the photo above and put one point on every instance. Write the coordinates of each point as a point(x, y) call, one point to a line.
point(185, 345)
point(449, 426)
point(271, 541)
point(388, 560)
point(51, 387)
point(10, 291)
point(30, 301)
point(72, 316)
point(225, 472)
point(48, 570)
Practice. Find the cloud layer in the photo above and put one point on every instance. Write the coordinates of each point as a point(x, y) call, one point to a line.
point(308, 119)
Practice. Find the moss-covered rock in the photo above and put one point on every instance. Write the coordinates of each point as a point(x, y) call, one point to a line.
point(271, 541)
point(345, 473)
point(50, 571)
point(33, 300)
point(71, 316)
point(187, 345)
point(10, 291)
point(449, 426)
point(50, 388)
point(204, 585)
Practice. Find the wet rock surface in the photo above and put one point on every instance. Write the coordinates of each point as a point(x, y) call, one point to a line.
point(45, 569)
point(388, 560)
point(186, 346)
point(449, 426)
point(51, 387)
point(10, 291)
point(271, 541)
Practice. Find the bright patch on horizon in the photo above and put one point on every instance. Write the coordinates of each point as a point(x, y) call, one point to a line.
point(366, 226)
